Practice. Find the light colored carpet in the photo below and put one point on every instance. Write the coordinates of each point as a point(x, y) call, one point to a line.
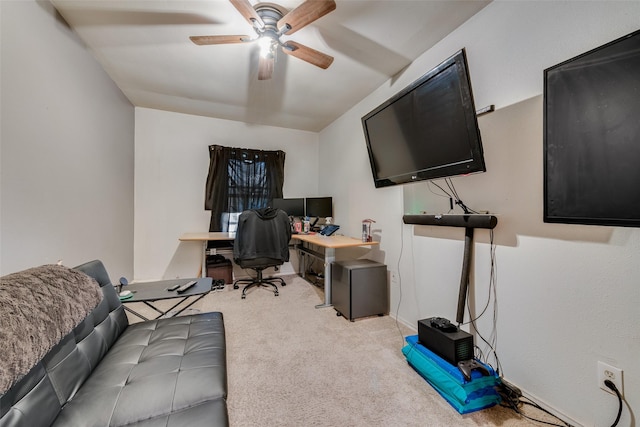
point(290, 364)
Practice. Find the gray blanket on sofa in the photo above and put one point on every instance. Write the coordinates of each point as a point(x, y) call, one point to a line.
point(38, 307)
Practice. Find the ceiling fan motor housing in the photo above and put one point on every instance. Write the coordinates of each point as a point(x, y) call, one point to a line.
point(268, 35)
point(270, 14)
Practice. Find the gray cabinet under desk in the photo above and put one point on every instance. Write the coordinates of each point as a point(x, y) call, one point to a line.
point(359, 288)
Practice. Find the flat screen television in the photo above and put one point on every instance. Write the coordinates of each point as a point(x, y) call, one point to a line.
point(592, 136)
point(318, 207)
point(292, 206)
point(428, 130)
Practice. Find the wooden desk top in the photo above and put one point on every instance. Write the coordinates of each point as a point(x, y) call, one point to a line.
point(332, 241)
point(204, 236)
point(315, 239)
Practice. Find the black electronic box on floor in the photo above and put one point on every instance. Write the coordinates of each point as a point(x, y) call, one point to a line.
point(445, 339)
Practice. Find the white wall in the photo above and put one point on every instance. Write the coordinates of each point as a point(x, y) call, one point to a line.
point(567, 295)
point(66, 149)
point(172, 162)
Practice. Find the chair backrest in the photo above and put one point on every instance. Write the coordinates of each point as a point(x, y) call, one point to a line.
point(262, 238)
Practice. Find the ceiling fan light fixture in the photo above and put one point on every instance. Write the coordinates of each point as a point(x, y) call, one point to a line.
point(266, 44)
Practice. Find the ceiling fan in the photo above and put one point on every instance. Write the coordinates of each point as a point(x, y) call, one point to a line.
point(271, 21)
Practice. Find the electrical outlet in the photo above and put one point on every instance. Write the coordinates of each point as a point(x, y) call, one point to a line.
point(613, 374)
point(394, 277)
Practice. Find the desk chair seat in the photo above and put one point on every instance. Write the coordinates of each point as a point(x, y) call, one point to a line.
point(262, 241)
point(259, 265)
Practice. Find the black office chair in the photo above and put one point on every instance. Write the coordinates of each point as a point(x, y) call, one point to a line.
point(262, 241)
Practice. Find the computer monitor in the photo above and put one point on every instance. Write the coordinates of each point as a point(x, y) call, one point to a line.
point(319, 207)
point(292, 206)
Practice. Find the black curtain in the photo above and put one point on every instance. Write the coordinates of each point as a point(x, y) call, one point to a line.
point(240, 179)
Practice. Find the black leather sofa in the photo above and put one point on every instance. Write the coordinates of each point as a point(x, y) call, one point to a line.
point(107, 372)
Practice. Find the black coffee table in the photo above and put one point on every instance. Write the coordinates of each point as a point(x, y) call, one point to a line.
point(150, 292)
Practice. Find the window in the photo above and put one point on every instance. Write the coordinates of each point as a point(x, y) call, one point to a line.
point(241, 179)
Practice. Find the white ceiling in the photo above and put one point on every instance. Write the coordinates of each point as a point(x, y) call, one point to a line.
point(144, 46)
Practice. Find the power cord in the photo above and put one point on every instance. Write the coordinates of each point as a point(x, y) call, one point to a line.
point(513, 399)
point(399, 276)
point(613, 387)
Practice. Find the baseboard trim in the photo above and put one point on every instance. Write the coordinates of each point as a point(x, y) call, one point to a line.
point(404, 322)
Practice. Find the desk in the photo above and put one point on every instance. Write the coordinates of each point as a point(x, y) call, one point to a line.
point(204, 238)
point(330, 244)
point(149, 292)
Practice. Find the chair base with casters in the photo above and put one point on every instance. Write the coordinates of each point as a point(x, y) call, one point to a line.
point(260, 280)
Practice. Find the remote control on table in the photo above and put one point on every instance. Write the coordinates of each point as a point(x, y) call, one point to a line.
point(174, 287)
point(186, 286)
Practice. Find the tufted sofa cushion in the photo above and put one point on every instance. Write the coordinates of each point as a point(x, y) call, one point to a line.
point(161, 372)
point(167, 372)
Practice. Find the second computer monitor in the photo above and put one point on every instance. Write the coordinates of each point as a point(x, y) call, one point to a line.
point(292, 206)
point(319, 207)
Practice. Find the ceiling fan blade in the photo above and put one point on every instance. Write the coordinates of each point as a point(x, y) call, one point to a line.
point(249, 13)
point(305, 14)
point(308, 54)
point(206, 40)
point(265, 67)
